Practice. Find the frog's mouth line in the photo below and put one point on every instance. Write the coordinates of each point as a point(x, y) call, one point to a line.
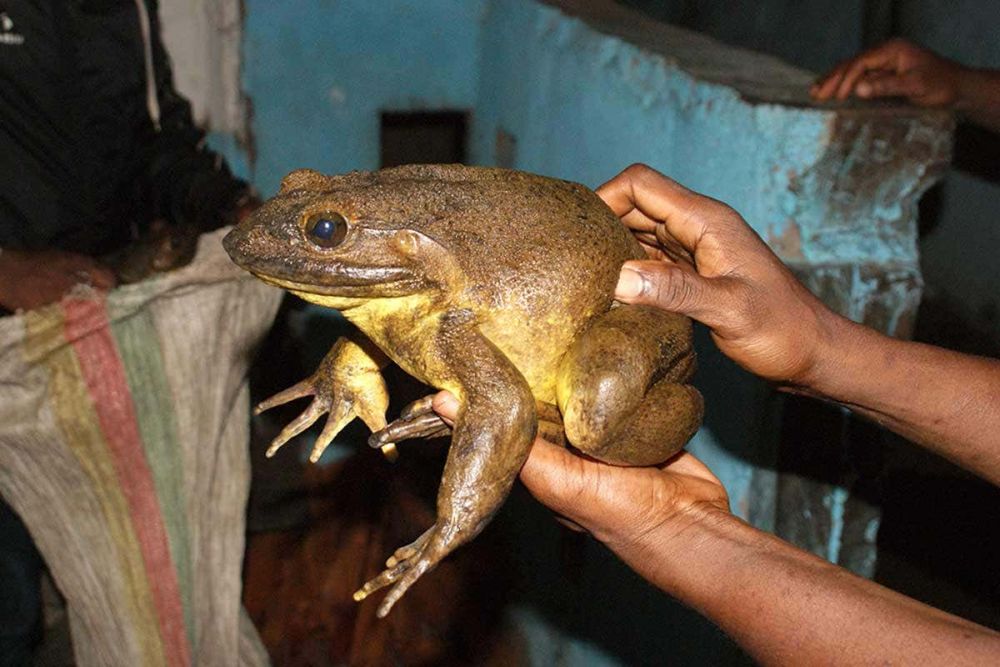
point(360, 288)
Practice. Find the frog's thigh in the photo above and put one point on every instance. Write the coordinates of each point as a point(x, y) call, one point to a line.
point(622, 387)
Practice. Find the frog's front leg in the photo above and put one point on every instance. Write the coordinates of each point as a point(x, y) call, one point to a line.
point(494, 428)
point(347, 384)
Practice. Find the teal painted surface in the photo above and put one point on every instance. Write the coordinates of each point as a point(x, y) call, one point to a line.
point(582, 105)
point(319, 72)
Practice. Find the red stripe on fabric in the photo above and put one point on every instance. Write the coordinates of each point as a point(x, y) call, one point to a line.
point(88, 332)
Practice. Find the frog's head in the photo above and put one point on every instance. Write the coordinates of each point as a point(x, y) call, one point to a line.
point(333, 239)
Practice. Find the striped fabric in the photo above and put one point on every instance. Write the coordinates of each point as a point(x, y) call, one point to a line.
point(123, 446)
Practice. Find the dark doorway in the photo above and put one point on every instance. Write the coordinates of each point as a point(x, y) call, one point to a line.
point(423, 137)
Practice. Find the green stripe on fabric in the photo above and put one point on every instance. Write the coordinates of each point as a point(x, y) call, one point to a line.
point(138, 346)
point(74, 413)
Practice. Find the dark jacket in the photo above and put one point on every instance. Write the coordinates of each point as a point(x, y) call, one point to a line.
point(94, 140)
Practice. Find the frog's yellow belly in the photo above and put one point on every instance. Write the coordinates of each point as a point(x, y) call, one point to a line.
point(405, 328)
point(535, 344)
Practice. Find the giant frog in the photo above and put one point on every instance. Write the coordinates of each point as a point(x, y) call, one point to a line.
point(496, 285)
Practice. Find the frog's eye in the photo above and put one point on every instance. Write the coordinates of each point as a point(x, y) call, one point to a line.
point(326, 230)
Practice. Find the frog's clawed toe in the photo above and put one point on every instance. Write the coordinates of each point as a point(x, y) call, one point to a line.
point(410, 550)
point(304, 388)
point(315, 410)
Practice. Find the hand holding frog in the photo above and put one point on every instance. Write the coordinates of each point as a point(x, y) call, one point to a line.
point(707, 263)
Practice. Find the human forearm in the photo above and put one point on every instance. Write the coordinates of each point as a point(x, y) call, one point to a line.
point(785, 606)
point(946, 401)
point(31, 279)
point(979, 97)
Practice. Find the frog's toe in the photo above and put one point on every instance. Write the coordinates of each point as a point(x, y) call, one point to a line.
point(410, 550)
point(338, 419)
point(388, 576)
point(403, 585)
point(304, 388)
point(408, 564)
point(422, 426)
point(421, 406)
point(297, 425)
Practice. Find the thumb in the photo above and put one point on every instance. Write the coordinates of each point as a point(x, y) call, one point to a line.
point(557, 478)
point(670, 287)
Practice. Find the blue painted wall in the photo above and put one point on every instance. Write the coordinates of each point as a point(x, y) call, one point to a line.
point(319, 72)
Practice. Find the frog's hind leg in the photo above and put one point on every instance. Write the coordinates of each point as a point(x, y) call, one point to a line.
point(622, 387)
point(494, 428)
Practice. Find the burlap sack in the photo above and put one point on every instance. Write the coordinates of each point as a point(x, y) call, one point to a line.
point(123, 446)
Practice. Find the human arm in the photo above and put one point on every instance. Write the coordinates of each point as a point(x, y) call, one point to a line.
point(671, 524)
point(898, 68)
point(190, 183)
point(31, 279)
point(707, 263)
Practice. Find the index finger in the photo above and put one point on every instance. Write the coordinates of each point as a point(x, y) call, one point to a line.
point(642, 190)
point(881, 57)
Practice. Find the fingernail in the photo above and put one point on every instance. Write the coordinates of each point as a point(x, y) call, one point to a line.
point(631, 284)
point(864, 89)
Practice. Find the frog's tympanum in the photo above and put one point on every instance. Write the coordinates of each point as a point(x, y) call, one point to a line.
point(496, 285)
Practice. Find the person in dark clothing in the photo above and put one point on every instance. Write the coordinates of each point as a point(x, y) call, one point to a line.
point(95, 145)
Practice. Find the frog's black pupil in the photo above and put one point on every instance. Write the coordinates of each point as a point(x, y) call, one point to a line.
point(324, 229)
point(327, 231)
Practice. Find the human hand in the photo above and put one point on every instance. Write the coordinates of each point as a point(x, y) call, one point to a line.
point(31, 279)
point(707, 263)
point(896, 68)
point(618, 505)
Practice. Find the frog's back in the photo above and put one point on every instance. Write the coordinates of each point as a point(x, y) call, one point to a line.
point(526, 241)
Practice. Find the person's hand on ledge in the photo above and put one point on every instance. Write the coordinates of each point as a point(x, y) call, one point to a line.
point(898, 68)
